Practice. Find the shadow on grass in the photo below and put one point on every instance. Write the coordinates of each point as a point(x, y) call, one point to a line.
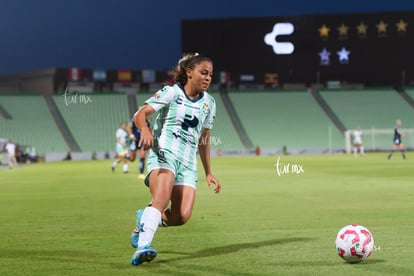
point(231, 248)
point(367, 262)
point(30, 255)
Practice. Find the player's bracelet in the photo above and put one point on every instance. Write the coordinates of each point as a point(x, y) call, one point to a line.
point(132, 136)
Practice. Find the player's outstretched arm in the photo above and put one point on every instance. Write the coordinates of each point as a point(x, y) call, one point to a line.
point(147, 139)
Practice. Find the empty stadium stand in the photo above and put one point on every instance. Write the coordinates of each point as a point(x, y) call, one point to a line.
point(369, 108)
point(289, 118)
point(93, 121)
point(224, 134)
point(31, 123)
point(406, 97)
point(410, 93)
point(268, 119)
point(376, 108)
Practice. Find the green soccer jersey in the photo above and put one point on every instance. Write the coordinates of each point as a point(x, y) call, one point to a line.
point(181, 121)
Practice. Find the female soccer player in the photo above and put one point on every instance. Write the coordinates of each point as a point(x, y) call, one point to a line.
point(397, 143)
point(358, 144)
point(121, 136)
point(186, 115)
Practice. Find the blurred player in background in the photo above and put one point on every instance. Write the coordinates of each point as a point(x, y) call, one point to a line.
point(10, 148)
point(186, 115)
point(397, 142)
point(135, 136)
point(121, 137)
point(358, 143)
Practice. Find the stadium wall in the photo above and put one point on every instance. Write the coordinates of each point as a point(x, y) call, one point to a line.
point(29, 82)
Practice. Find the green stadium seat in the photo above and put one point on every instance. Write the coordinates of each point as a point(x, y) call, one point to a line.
point(288, 118)
point(370, 109)
point(31, 123)
point(94, 124)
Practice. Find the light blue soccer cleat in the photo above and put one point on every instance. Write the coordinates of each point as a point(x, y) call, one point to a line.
point(144, 254)
point(135, 233)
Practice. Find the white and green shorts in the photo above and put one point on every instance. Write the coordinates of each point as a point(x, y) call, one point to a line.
point(120, 150)
point(165, 160)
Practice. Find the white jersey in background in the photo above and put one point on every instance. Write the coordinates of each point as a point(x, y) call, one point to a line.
point(357, 137)
point(122, 135)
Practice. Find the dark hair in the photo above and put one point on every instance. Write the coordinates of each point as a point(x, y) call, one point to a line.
point(188, 61)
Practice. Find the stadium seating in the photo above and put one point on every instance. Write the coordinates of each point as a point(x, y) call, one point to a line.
point(370, 109)
point(290, 118)
point(94, 123)
point(224, 136)
point(31, 123)
point(271, 119)
point(410, 92)
point(142, 96)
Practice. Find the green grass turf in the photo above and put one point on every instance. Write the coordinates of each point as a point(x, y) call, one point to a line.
point(75, 218)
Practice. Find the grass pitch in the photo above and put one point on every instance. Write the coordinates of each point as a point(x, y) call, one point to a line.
point(75, 218)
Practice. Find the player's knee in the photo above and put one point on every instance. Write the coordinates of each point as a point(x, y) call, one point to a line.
point(182, 218)
point(132, 156)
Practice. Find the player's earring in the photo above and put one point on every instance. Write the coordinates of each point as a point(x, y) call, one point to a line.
point(190, 77)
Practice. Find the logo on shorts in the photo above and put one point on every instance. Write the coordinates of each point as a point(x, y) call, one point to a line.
point(161, 157)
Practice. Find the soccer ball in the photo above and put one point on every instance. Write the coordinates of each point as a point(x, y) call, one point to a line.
point(354, 243)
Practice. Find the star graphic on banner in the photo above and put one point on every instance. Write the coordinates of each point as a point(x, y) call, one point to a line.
point(401, 26)
point(343, 55)
point(362, 29)
point(324, 31)
point(324, 56)
point(343, 30)
point(382, 27)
